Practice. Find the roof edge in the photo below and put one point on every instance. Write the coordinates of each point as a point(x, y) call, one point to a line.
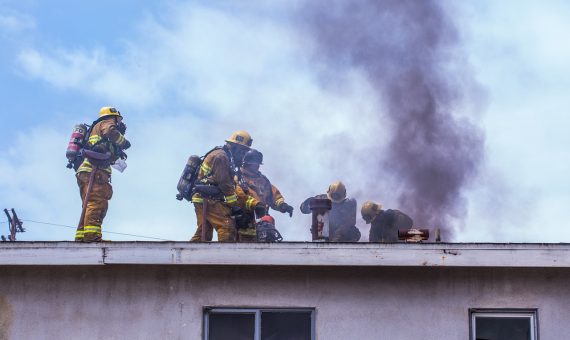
point(287, 254)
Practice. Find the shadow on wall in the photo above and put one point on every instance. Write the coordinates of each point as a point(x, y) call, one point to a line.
point(6, 318)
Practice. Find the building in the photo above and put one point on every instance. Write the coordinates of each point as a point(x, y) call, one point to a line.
point(286, 291)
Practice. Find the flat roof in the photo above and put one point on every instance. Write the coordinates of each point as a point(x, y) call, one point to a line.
point(287, 254)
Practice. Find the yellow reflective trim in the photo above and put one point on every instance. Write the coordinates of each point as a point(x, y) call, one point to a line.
point(249, 203)
point(231, 198)
point(92, 228)
point(94, 231)
point(94, 139)
point(279, 202)
point(79, 233)
point(205, 169)
point(85, 166)
point(248, 232)
point(196, 199)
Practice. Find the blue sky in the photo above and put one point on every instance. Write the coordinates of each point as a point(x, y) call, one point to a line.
point(186, 74)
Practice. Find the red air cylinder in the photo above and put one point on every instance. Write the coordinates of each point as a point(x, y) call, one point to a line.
point(76, 142)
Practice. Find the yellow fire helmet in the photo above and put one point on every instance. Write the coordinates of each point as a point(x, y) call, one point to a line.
point(242, 138)
point(109, 111)
point(370, 210)
point(337, 192)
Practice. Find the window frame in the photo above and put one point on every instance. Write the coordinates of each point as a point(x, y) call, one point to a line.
point(529, 313)
point(206, 311)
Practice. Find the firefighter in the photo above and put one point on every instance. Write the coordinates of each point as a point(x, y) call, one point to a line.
point(215, 187)
point(342, 217)
point(258, 190)
point(106, 138)
point(385, 223)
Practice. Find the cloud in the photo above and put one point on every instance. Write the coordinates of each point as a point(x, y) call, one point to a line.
point(32, 183)
point(91, 72)
point(15, 22)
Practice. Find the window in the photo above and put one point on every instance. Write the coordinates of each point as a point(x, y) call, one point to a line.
point(504, 324)
point(258, 324)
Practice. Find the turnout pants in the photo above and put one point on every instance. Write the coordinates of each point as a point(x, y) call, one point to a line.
point(219, 218)
point(248, 234)
point(89, 229)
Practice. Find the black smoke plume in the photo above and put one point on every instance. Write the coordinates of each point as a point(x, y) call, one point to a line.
point(411, 53)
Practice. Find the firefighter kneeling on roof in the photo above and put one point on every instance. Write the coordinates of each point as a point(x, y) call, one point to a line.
point(215, 191)
point(255, 194)
point(342, 217)
point(104, 146)
point(384, 223)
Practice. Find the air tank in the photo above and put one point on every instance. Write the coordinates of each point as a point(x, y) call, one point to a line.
point(186, 181)
point(75, 143)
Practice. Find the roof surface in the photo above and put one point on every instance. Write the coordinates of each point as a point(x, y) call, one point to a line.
point(287, 254)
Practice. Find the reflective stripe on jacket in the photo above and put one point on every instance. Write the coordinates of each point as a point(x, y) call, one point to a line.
point(102, 139)
point(261, 189)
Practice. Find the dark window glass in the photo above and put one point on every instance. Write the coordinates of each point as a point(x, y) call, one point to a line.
point(234, 326)
point(286, 326)
point(489, 328)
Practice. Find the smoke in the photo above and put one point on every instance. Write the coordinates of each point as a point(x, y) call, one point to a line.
point(411, 54)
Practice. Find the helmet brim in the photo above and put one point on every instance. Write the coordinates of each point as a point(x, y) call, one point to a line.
point(234, 143)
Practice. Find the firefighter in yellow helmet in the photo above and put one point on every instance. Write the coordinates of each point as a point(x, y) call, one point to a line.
point(215, 187)
point(385, 223)
point(105, 145)
point(258, 192)
point(342, 217)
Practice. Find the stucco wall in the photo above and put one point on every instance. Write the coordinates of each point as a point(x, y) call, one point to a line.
point(165, 302)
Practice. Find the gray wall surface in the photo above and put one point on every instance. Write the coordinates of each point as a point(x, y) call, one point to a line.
point(165, 302)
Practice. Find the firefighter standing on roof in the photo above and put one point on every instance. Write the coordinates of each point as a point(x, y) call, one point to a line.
point(385, 223)
point(342, 216)
point(258, 189)
point(105, 137)
point(216, 188)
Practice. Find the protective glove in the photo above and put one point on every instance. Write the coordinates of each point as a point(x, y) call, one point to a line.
point(126, 145)
point(286, 208)
point(260, 210)
point(122, 127)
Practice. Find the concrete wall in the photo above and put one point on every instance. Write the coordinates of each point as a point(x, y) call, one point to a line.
point(165, 302)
